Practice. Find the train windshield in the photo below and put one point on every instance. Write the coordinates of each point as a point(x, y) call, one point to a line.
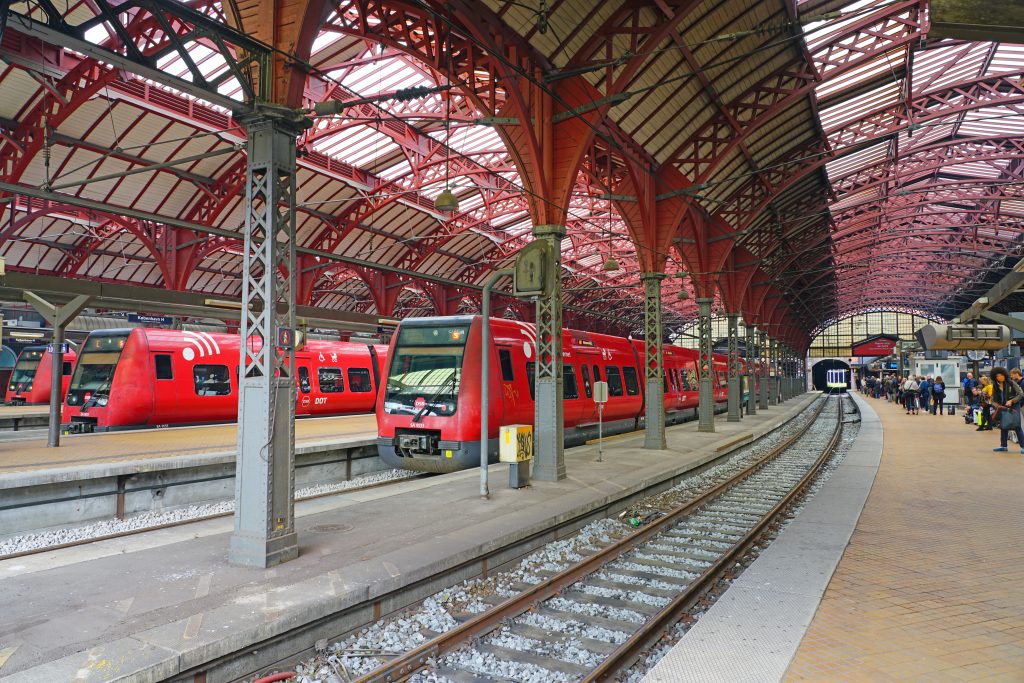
point(426, 371)
point(94, 372)
point(25, 369)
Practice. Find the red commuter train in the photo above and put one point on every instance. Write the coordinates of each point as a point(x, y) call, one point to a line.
point(152, 378)
point(30, 380)
point(429, 415)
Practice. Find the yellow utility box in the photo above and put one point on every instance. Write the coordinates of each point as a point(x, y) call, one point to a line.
point(515, 443)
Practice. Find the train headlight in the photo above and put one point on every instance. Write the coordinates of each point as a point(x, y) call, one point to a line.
point(101, 402)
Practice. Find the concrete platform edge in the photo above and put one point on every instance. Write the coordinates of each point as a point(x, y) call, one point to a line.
point(753, 631)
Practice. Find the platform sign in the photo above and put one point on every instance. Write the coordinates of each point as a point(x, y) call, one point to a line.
point(64, 348)
point(150, 319)
point(879, 345)
point(600, 392)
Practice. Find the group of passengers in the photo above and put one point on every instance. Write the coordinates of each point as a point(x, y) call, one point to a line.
point(996, 401)
point(991, 401)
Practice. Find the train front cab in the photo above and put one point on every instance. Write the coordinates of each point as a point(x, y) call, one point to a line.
point(427, 412)
point(92, 384)
point(30, 379)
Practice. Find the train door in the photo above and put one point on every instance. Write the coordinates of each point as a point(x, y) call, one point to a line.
point(303, 387)
point(165, 400)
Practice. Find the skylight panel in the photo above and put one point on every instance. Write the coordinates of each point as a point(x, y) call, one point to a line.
point(851, 163)
point(1008, 58)
point(993, 121)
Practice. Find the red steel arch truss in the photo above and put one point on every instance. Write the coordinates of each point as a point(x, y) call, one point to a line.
point(797, 161)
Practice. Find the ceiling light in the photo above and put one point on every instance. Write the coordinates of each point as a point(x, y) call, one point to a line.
point(446, 201)
point(610, 265)
point(683, 295)
point(26, 335)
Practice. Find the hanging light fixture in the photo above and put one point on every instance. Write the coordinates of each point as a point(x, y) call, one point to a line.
point(683, 294)
point(611, 265)
point(447, 202)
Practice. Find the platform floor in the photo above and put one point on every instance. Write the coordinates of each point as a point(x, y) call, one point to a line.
point(24, 411)
point(931, 587)
point(153, 605)
point(145, 444)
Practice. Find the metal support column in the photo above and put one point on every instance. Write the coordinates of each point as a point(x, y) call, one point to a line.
point(773, 373)
point(705, 367)
point(654, 421)
point(549, 456)
point(735, 409)
point(264, 532)
point(762, 398)
point(751, 358)
point(58, 317)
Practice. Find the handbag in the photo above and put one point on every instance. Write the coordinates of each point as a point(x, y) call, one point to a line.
point(1009, 419)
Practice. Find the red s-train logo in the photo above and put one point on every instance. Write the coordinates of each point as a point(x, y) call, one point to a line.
point(420, 403)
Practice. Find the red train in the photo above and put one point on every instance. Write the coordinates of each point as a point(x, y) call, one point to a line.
point(150, 377)
point(30, 380)
point(429, 417)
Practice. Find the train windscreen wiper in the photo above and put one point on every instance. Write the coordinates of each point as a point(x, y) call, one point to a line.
point(422, 411)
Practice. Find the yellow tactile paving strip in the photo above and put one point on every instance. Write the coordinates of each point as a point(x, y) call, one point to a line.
point(144, 444)
point(931, 587)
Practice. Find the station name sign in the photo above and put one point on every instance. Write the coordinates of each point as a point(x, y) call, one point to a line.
point(150, 319)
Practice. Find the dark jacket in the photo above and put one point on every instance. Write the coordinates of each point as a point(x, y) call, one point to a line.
point(1009, 391)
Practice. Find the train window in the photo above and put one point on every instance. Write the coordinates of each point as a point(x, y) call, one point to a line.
point(664, 381)
point(304, 384)
point(162, 363)
point(531, 379)
point(614, 380)
point(585, 371)
point(670, 373)
point(66, 368)
point(359, 380)
point(632, 386)
point(597, 374)
point(505, 358)
point(331, 380)
point(211, 380)
point(569, 388)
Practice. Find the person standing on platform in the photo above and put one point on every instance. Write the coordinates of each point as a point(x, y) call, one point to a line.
point(969, 385)
point(984, 403)
point(1006, 398)
point(938, 395)
point(910, 394)
point(924, 391)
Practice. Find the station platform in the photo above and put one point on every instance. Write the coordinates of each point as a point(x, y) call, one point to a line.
point(167, 605)
point(931, 587)
point(905, 566)
point(16, 418)
point(113, 474)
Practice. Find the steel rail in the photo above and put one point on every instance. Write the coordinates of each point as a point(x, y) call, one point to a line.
point(652, 630)
point(412, 661)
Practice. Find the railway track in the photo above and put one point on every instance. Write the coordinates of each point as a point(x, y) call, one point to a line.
point(594, 619)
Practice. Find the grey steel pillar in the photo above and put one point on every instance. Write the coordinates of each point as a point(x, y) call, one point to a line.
point(762, 398)
point(735, 409)
point(773, 373)
point(549, 456)
point(705, 367)
point(264, 532)
point(58, 317)
point(751, 359)
point(654, 372)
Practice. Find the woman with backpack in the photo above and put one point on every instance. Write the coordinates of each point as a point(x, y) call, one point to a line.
point(1006, 398)
point(938, 395)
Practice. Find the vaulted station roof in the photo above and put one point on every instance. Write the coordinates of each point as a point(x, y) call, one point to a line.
point(797, 164)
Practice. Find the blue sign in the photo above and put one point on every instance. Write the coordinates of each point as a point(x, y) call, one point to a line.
point(150, 319)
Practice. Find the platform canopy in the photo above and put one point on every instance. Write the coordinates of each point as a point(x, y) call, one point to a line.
point(796, 161)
